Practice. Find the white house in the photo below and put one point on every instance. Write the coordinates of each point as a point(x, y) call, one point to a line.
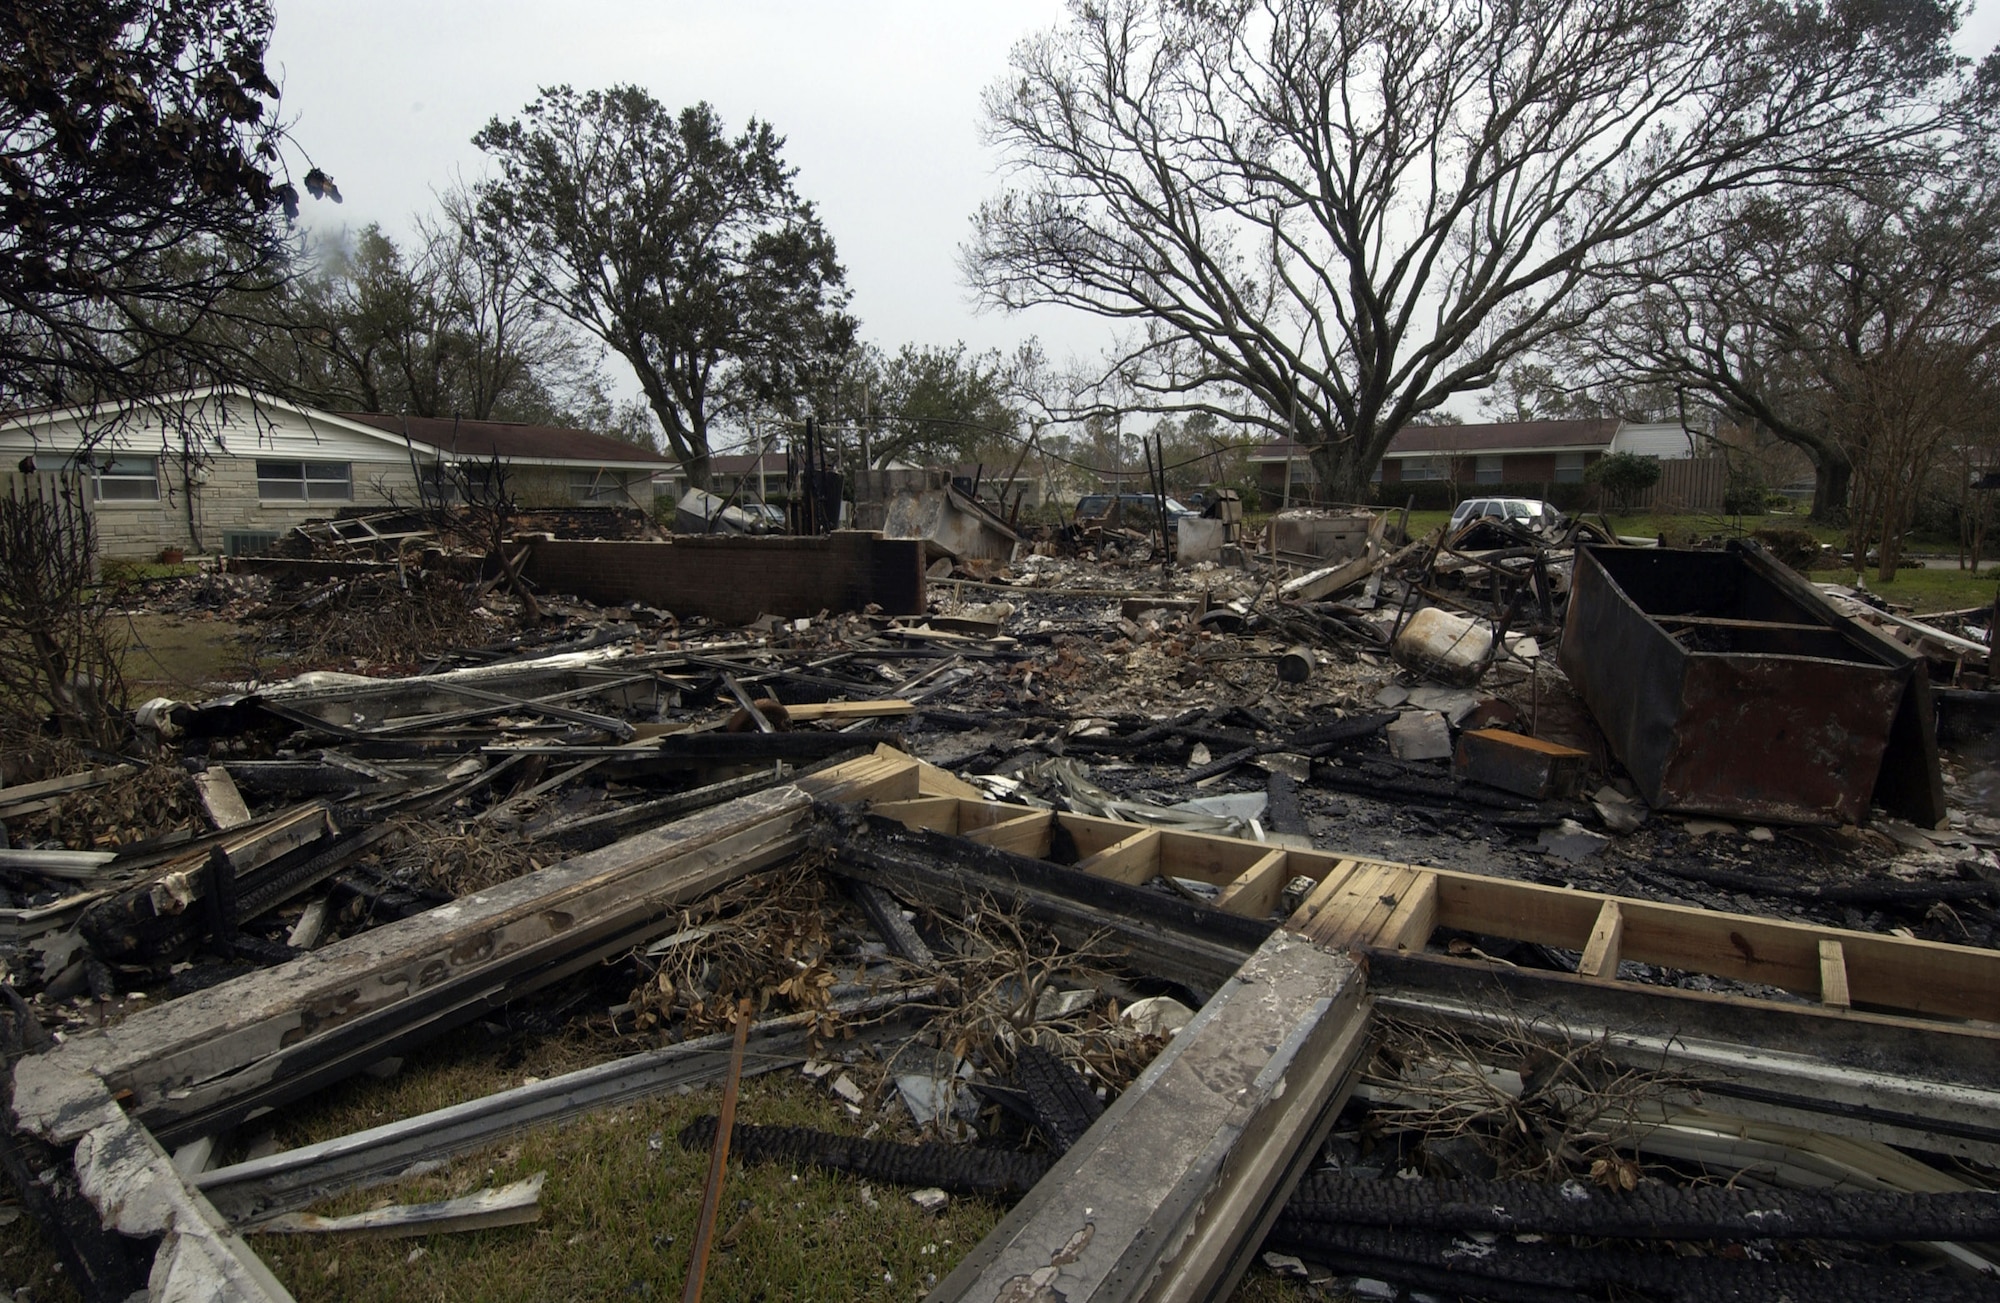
point(225, 471)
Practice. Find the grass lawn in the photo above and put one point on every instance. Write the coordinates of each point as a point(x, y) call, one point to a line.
point(622, 1198)
point(619, 1205)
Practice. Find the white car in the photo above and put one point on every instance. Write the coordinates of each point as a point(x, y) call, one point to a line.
point(1530, 513)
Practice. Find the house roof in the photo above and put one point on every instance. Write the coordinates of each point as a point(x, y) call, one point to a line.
point(1507, 436)
point(482, 439)
point(742, 463)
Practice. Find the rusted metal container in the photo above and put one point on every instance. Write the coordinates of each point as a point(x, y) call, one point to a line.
point(1728, 686)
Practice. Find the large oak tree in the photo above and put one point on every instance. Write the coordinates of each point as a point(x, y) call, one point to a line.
point(686, 250)
point(1352, 210)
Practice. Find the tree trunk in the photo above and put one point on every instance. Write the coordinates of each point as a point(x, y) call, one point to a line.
point(1832, 477)
point(1341, 472)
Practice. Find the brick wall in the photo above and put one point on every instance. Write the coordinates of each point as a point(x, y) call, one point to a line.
point(225, 501)
point(733, 580)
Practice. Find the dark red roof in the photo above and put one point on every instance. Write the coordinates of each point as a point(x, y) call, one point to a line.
point(462, 438)
point(742, 463)
point(1507, 436)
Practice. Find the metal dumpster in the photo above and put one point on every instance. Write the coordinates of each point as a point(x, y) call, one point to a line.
point(1727, 685)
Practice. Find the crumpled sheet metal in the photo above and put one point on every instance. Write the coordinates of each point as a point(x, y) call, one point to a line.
point(1763, 708)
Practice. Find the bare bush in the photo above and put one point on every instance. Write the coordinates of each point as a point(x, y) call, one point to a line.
point(59, 650)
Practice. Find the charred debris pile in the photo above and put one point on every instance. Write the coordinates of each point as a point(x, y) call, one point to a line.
point(1503, 916)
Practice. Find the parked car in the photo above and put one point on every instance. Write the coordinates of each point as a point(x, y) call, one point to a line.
point(1531, 513)
point(1136, 510)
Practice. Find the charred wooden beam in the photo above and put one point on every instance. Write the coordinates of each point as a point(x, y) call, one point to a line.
point(1168, 1195)
point(1508, 1270)
point(1653, 1211)
point(1181, 941)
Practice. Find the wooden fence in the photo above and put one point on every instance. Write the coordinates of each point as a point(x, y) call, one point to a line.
point(1688, 484)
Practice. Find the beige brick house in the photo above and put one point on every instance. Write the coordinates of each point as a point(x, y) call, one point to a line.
point(226, 471)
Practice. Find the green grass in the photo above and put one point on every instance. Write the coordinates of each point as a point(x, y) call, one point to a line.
point(619, 1213)
point(180, 656)
point(1925, 591)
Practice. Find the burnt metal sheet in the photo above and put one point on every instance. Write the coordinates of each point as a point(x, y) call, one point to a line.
point(1728, 687)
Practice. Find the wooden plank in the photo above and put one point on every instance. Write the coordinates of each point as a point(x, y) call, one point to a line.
point(1833, 974)
point(1414, 918)
point(1091, 834)
point(1329, 883)
point(1265, 1168)
point(165, 1055)
point(974, 815)
point(1135, 860)
point(1208, 859)
point(884, 776)
point(1026, 835)
point(1552, 916)
point(296, 1178)
point(28, 797)
point(515, 1204)
point(938, 813)
point(1347, 914)
point(1607, 936)
point(1896, 973)
point(1170, 1164)
point(933, 781)
point(843, 710)
point(1257, 890)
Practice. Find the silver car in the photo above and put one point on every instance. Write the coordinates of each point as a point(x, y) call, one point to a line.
point(1531, 513)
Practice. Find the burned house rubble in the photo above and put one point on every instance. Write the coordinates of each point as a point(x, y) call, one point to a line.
point(1299, 907)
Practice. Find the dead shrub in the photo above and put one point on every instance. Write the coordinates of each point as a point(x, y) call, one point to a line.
point(59, 648)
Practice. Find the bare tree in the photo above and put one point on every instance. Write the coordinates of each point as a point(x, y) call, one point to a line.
point(141, 181)
point(1852, 323)
point(1352, 211)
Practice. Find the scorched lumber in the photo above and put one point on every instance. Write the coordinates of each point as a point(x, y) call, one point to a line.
point(1164, 1196)
point(241, 1033)
point(1653, 1211)
point(1507, 1270)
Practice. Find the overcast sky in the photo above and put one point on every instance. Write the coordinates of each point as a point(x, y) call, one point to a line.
point(879, 103)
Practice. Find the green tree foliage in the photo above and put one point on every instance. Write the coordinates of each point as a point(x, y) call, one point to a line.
point(1623, 475)
point(939, 405)
point(136, 131)
point(687, 251)
point(1352, 210)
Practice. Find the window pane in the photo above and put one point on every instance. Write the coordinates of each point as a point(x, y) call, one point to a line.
point(127, 479)
point(327, 470)
point(327, 491)
point(1569, 468)
point(280, 470)
point(281, 490)
point(1487, 470)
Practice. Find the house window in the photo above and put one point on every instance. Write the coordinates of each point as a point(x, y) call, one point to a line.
point(597, 488)
point(1423, 468)
point(1486, 470)
point(1569, 468)
point(305, 481)
point(127, 479)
